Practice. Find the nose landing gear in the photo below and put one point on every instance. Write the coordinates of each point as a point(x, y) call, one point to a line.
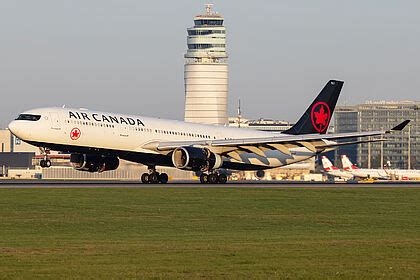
point(45, 163)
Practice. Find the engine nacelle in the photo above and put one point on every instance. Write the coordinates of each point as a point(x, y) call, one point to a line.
point(93, 163)
point(196, 159)
point(260, 174)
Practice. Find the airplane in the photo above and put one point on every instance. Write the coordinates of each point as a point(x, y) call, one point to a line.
point(96, 141)
point(385, 173)
point(333, 171)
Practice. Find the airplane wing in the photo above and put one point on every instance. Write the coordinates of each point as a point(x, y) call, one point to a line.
point(313, 142)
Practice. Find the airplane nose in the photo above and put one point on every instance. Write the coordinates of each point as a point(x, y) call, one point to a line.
point(20, 129)
point(12, 127)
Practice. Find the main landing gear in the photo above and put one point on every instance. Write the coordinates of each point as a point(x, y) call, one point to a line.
point(213, 178)
point(154, 177)
point(45, 163)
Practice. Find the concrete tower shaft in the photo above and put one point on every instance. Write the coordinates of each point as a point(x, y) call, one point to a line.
point(206, 70)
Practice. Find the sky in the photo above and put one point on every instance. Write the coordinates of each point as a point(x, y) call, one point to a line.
point(128, 55)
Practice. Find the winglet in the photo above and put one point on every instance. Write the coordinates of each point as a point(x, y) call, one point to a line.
point(400, 126)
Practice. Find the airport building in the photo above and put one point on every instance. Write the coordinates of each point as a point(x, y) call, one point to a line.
point(11, 144)
point(15, 155)
point(206, 70)
point(401, 149)
point(260, 124)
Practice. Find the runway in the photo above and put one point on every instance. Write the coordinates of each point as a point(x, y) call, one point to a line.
point(194, 184)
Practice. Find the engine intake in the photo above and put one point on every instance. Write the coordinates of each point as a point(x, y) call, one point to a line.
point(93, 163)
point(196, 159)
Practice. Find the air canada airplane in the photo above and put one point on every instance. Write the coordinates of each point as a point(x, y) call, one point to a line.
point(97, 140)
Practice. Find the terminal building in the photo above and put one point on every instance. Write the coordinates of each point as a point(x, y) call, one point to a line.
point(206, 70)
point(401, 150)
point(16, 155)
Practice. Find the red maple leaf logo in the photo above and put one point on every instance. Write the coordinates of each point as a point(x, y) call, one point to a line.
point(320, 116)
point(75, 133)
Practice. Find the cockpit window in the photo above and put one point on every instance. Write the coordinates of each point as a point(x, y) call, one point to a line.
point(28, 117)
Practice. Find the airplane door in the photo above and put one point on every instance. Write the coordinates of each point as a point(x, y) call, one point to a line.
point(55, 121)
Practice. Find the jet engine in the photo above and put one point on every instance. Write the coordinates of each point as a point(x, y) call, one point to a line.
point(260, 174)
point(196, 159)
point(93, 163)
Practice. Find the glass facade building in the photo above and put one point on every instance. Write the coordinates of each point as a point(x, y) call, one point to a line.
point(382, 115)
point(346, 120)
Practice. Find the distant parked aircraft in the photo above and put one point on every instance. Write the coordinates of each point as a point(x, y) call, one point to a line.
point(385, 173)
point(331, 170)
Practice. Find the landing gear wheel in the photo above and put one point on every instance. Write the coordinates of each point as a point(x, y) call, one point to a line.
point(213, 178)
point(145, 178)
point(222, 179)
point(45, 163)
point(153, 178)
point(163, 178)
point(204, 178)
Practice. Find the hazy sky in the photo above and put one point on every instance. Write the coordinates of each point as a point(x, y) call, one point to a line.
point(127, 56)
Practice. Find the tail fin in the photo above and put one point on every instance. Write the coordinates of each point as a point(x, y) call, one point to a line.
point(317, 117)
point(347, 164)
point(327, 165)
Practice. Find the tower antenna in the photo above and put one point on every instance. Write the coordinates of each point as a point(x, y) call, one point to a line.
point(209, 9)
point(239, 113)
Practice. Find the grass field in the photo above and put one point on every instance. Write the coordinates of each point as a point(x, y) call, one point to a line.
point(210, 233)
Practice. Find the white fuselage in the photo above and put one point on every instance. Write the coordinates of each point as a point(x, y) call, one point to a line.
point(386, 174)
point(339, 173)
point(129, 133)
point(403, 174)
point(369, 173)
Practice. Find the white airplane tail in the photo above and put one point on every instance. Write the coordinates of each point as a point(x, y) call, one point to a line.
point(347, 164)
point(327, 165)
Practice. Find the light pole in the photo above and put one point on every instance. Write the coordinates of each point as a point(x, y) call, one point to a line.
point(239, 113)
point(369, 164)
point(382, 152)
point(409, 147)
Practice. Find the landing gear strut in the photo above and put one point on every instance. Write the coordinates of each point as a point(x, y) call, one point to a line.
point(213, 178)
point(154, 177)
point(45, 163)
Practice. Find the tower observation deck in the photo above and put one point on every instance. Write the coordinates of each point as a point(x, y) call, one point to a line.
point(206, 70)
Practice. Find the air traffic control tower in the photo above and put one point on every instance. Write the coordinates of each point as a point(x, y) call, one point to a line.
point(206, 70)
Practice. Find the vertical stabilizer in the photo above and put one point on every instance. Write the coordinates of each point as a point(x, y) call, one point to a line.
point(347, 164)
point(327, 165)
point(318, 115)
